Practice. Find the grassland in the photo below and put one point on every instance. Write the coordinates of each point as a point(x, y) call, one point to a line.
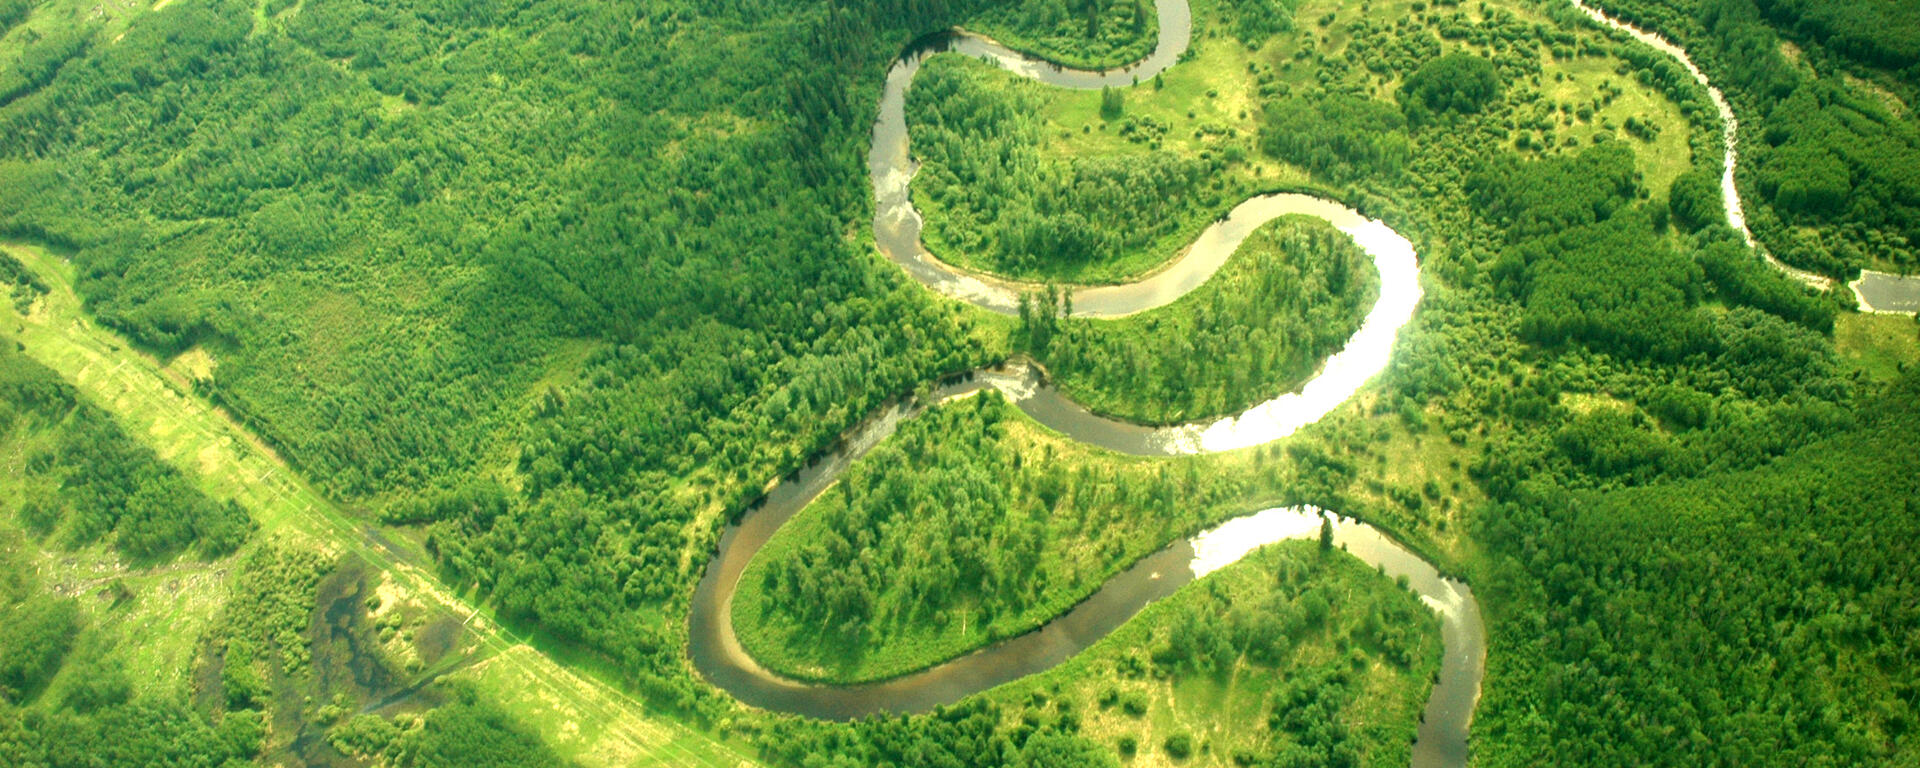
point(154, 402)
point(1880, 346)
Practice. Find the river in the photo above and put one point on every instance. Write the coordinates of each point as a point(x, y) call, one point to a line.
point(1442, 738)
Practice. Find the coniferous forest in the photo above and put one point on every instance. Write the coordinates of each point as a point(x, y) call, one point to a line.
point(381, 381)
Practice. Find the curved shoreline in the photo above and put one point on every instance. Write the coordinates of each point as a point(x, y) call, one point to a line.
point(714, 646)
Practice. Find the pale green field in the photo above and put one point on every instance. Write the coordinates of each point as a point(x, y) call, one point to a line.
point(152, 402)
point(1877, 344)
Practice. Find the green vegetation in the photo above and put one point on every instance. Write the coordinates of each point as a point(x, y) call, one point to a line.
point(1292, 294)
point(1088, 34)
point(82, 480)
point(1618, 595)
point(1456, 82)
point(971, 524)
point(464, 732)
point(994, 200)
point(1292, 657)
point(426, 249)
point(150, 623)
point(555, 288)
point(1826, 160)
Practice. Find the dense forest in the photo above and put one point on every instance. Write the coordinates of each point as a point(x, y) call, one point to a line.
point(995, 200)
point(412, 238)
point(1089, 34)
point(1294, 292)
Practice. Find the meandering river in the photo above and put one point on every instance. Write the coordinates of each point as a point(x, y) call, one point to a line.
point(716, 649)
point(1442, 735)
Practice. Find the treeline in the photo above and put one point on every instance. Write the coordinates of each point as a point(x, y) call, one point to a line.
point(1087, 34)
point(1294, 293)
point(1592, 265)
point(1716, 389)
point(1878, 33)
point(1339, 137)
point(466, 731)
point(83, 480)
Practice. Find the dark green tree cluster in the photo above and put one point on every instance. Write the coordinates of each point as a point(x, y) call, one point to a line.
point(26, 286)
point(87, 481)
point(467, 731)
point(1454, 83)
point(1092, 34)
point(1757, 616)
point(36, 627)
point(1827, 167)
point(1340, 137)
point(1879, 33)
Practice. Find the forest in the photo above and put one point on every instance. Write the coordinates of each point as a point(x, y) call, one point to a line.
point(551, 291)
point(995, 201)
point(81, 480)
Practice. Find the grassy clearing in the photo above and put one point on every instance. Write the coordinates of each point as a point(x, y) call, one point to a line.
point(1323, 633)
point(156, 405)
point(1877, 345)
point(147, 623)
point(1660, 160)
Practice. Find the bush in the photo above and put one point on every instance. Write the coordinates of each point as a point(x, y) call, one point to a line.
point(1457, 82)
point(1179, 746)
